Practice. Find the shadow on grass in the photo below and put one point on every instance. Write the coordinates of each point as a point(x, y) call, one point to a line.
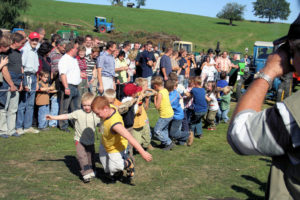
point(73, 166)
point(225, 23)
point(268, 161)
point(250, 194)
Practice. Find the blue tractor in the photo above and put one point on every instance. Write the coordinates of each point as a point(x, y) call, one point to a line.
point(102, 26)
point(282, 87)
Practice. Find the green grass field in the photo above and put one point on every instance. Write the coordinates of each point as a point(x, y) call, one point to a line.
point(44, 166)
point(204, 32)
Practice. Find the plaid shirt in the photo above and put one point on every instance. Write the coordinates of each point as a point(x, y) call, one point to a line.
point(224, 64)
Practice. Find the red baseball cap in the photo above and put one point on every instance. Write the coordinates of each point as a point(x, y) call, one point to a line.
point(34, 35)
point(131, 89)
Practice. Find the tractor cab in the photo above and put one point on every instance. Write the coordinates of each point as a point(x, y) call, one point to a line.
point(178, 45)
point(261, 52)
point(102, 25)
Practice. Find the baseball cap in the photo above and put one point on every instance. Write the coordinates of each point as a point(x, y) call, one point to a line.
point(131, 89)
point(293, 34)
point(34, 35)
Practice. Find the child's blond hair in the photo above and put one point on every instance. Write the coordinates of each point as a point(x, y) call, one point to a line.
point(226, 90)
point(157, 80)
point(87, 96)
point(141, 82)
point(197, 80)
point(170, 85)
point(110, 93)
point(81, 48)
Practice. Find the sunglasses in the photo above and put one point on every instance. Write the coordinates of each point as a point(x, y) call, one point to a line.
point(35, 39)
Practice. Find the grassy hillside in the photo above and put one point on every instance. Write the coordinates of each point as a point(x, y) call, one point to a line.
point(204, 32)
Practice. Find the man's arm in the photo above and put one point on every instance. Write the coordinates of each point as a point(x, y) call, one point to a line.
point(164, 73)
point(262, 133)
point(64, 81)
point(118, 128)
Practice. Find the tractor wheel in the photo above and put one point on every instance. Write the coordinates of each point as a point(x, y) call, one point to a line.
point(102, 29)
point(284, 89)
point(239, 88)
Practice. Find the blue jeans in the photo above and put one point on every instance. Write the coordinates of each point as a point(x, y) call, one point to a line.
point(68, 101)
point(161, 130)
point(149, 81)
point(182, 80)
point(176, 131)
point(196, 123)
point(223, 115)
point(26, 105)
point(43, 111)
point(54, 109)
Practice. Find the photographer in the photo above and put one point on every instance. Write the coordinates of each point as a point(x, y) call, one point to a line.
point(274, 131)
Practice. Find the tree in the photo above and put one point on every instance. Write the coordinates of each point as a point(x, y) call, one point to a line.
point(232, 11)
point(140, 3)
point(272, 9)
point(116, 2)
point(10, 10)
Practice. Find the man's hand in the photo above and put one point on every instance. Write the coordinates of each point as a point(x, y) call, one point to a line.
point(165, 78)
point(83, 75)
point(21, 87)
point(26, 88)
point(150, 63)
point(49, 117)
point(278, 63)
point(67, 91)
point(3, 62)
point(100, 89)
point(13, 88)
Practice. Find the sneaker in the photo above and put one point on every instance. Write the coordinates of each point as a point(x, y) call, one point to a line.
point(20, 131)
point(4, 136)
point(168, 147)
point(150, 147)
point(16, 135)
point(190, 139)
point(130, 167)
point(92, 175)
point(31, 130)
point(211, 128)
point(86, 178)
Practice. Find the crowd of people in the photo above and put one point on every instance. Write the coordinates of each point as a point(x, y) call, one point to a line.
point(87, 83)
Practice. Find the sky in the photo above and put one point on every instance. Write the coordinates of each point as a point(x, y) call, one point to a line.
point(208, 8)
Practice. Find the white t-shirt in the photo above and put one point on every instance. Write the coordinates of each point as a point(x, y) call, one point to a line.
point(88, 50)
point(209, 72)
point(213, 104)
point(69, 66)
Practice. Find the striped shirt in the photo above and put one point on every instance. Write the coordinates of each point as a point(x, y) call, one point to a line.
point(271, 132)
point(54, 56)
point(91, 63)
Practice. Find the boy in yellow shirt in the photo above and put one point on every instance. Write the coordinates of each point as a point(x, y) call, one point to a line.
point(163, 105)
point(115, 139)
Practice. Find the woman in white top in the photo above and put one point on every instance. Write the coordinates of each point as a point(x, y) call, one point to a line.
point(209, 71)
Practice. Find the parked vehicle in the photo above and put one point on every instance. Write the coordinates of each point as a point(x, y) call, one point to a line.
point(178, 45)
point(103, 26)
point(68, 34)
